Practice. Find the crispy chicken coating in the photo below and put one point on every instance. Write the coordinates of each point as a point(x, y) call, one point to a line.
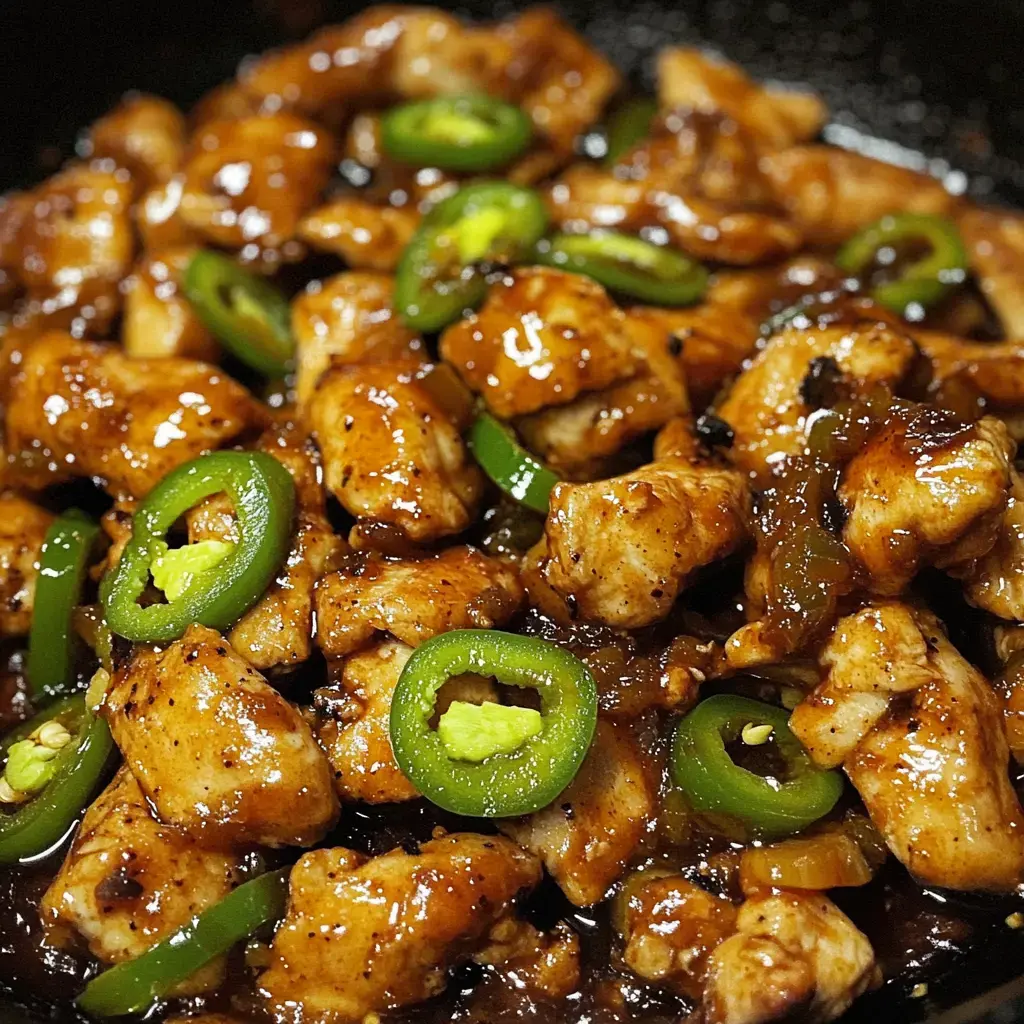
point(776, 118)
point(158, 320)
point(276, 633)
point(766, 406)
point(927, 489)
point(619, 551)
point(365, 936)
point(349, 318)
point(546, 966)
point(832, 193)
point(920, 733)
point(23, 529)
point(158, 216)
point(82, 409)
point(218, 751)
point(251, 180)
point(391, 453)
point(356, 737)
point(588, 834)
point(413, 599)
point(792, 953)
point(128, 881)
point(146, 135)
point(995, 249)
point(365, 235)
point(541, 338)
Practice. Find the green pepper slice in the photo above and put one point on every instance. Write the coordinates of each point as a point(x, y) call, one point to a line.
point(629, 124)
point(628, 265)
point(62, 568)
point(702, 767)
point(263, 495)
point(442, 271)
point(37, 826)
point(468, 133)
point(250, 317)
point(133, 986)
point(924, 281)
point(509, 782)
point(522, 477)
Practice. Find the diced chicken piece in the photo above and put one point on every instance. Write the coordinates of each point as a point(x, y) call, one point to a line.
point(74, 244)
point(671, 928)
point(542, 338)
point(23, 529)
point(413, 599)
point(926, 489)
point(158, 217)
point(144, 134)
point(251, 180)
point(575, 438)
point(545, 966)
point(391, 453)
point(992, 371)
point(15, 208)
point(995, 582)
point(158, 319)
point(129, 882)
point(713, 341)
point(81, 409)
point(793, 953)
point(832, 193)
point(995, 249)
point(219, 752)
point(356, 738)
point(765, 406)
point(930, 764)
point(364, 234)
point(590, 832)
point(1009, 688)
point(276, 633)
point(229, 101)
point(762, 291)
point(365, 936)
point(620, 551)
point(349, 318)
point(691, 80)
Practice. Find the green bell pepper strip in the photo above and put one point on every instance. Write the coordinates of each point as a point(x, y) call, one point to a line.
point(263, 495)
point(133, 986)
point(924, 281)
point(62, 569)
point(505, 784)
point(250, 317)
point(629, 124)
point(627, 265)
point(470, 133)
point(441, 272)
point(37, 826)
point(521, 476)
point(702, 767)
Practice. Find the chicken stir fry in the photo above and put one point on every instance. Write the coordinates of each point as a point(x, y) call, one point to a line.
point(452, 573)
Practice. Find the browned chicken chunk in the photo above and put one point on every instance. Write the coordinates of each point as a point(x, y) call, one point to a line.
point(128, 881)
point(23, 529)
point(391, 453)
point(364, 234)
point(413, 599)
point(930, 766)
point(619, 551)
point(77, 408)
point(254, 771)
point(995, 247)
point(366, 936)
point(144, 134)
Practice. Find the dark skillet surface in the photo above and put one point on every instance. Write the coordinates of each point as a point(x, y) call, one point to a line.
point(941, 79)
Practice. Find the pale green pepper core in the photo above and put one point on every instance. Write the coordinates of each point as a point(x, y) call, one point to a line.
point(173, 569)
point(30, 766)
point(457, 129)
point(475, 732)
point(477, 232)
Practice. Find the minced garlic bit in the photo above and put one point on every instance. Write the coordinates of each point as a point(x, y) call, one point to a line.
point(919, 991)
point(755, 735)
point(1015, 920)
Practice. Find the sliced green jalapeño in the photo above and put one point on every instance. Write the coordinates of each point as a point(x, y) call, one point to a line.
point(521, 476)
point(469, 133)
point(627, 265)
point(516, 768)
point(442, 272)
